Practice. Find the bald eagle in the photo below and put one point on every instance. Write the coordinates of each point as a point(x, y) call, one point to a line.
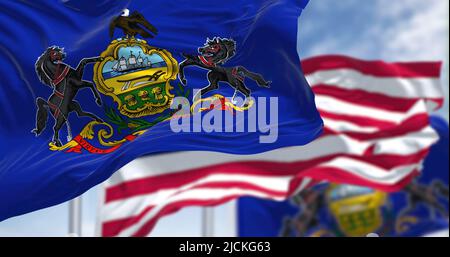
point(132, 24)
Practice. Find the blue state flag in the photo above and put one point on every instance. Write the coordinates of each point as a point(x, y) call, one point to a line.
point(421, 208)
point(88, 86)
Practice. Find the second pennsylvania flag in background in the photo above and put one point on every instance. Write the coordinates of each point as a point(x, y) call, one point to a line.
point(86, 87)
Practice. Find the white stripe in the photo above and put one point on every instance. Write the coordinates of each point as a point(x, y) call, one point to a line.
point(338, 106)
point(395, 87)
point(126, 207)
point(407, 144)
point(99, 213)
point(197, 194)
point(155, 165)
point(345, 126)
point(303, 184)
point(361, 169)
point(133, 205)
point(371, 172)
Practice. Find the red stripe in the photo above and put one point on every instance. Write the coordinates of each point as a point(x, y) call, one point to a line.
point(173, 180)
point(112, 228)
point(374, 68)
point(340, 176)
point(375, 100)
point(260, 168)
point(360, 121)
point(172, 208)
point(414, 123)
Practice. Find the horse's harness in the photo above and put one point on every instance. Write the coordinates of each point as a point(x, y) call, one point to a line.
point(235, 72)
point(56, 80)
point(206, 62)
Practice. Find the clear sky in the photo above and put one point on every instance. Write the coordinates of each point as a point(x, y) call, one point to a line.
point(400, 30)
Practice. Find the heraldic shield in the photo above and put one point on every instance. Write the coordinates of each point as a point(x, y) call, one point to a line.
point(358, 211)
point(137, 76)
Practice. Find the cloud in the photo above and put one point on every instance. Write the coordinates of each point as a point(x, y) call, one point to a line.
point(401, 30)
point(393, 30)
point(421, 33)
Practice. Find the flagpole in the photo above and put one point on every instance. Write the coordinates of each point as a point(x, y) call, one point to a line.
point(233, 218)
point(208, 222)
point(75, 217)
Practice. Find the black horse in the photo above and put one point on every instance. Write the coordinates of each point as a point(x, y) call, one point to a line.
point(65, 82)
point(214, 53)
point(430, 195)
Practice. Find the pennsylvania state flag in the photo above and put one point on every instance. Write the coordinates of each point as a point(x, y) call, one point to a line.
point(88, 86)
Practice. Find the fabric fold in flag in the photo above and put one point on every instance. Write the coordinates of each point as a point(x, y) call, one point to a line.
point(377, 134)
point(336, 210)
point(88, 87)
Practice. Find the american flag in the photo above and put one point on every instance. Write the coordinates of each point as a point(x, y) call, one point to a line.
point(377, 134)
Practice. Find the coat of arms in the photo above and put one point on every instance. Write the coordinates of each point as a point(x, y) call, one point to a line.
point(137, 78)
point(134, 74)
